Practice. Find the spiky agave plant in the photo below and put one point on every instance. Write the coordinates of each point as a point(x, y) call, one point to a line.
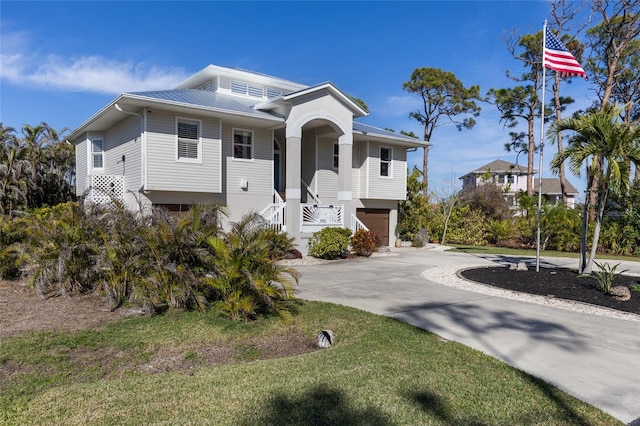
point(245, 281)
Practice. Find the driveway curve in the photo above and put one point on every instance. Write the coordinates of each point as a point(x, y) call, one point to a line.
point(596, 358)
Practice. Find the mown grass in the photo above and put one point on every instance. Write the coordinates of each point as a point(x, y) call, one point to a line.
point(380, 372)
point(531, 252)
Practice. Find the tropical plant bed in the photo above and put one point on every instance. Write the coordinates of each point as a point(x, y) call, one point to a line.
point(559, 283)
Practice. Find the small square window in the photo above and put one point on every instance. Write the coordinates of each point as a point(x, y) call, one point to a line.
point(242, 144)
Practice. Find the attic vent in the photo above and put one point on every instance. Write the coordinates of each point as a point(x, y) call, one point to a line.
point(238, 87)
point(256, 91)
point(242, 88)
point(272, 92)
point(207, 86)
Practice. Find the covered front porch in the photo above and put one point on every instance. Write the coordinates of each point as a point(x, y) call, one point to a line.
point(312, 168)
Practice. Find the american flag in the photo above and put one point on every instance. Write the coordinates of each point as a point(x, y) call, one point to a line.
point(558, 58)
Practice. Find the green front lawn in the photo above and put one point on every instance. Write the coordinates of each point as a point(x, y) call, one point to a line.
point(380, 372)
point(531, 252)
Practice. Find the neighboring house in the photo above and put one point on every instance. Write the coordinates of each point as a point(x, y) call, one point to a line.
point(252, 142)
point(552, 190)
point(512, 178)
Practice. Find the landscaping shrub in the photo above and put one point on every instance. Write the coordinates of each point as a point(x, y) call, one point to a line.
point(606, 274)
point(279, 243)
point(467, 227)
point(12, 233)
point(182, 261)
point(499, 230)
point(245, 281)
point(363, 242)
point(329, 243)
point(417, 241)
point(60, 251)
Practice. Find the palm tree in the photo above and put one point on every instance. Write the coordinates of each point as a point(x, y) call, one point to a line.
point(16, 171)
point(599, 137)
point(246, 281)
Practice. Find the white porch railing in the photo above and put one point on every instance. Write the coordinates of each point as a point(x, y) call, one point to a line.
point(273, 214)
point(356, 224)
point(314, 217)
point(105, 189)
point(315, 197)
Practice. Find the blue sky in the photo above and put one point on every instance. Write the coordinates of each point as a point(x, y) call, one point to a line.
point(63, 61)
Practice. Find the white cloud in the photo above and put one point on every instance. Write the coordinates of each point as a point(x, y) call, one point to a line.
point(90, 73)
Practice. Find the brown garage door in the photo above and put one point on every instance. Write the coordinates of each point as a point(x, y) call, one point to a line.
point(377, 220)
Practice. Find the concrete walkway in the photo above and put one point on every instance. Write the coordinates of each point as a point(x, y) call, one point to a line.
point(595, 358)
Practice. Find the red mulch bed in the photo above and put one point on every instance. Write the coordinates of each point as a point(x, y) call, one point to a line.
point(557, 282)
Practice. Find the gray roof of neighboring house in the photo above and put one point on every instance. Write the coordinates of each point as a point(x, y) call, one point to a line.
point(207, 99)
point(501, 166)
point(552, 186)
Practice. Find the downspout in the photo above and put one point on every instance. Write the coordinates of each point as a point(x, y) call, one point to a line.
point(144, 149)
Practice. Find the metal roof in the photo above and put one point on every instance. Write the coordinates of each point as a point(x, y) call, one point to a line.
point(207, 99)
point(367, 129)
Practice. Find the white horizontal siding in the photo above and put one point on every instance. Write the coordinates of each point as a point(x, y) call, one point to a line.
point(165, 172)
point(357, 168)
point(326, 181)
point(81, 165)
point(381, 187)
point(124, 139)
point(258, 171)
point(308, 160)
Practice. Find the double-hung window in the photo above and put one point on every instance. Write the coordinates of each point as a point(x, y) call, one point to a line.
point(242, 144)
point(386, 156)
point(97, 153)
point(188, 140)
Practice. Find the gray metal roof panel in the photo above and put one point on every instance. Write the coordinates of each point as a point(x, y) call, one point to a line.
point(207, 99)
point(366, 128)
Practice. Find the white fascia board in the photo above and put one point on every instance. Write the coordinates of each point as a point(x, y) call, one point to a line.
point(399, 140)
point(211, 71)
point(81, 128)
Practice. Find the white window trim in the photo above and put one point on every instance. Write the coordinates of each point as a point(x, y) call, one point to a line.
point(200, 150)
point(90, 152)
point(334, 156)
point(233, 144)
point(390, 175)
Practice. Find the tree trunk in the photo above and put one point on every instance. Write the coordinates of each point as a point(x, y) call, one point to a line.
point(602, 199)
point(593, 187)
point(446, 221)
point(530, 154)
point(583, 237)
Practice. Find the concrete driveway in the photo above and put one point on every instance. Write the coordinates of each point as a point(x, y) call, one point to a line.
point(595, 358)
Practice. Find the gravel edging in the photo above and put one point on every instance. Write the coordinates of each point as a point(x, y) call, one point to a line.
point(448, 275)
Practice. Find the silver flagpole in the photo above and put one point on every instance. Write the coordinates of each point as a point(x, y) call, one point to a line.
point(544, 84)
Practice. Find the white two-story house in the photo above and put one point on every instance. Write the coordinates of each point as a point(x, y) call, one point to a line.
point(252, 142)
point(512, 178)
